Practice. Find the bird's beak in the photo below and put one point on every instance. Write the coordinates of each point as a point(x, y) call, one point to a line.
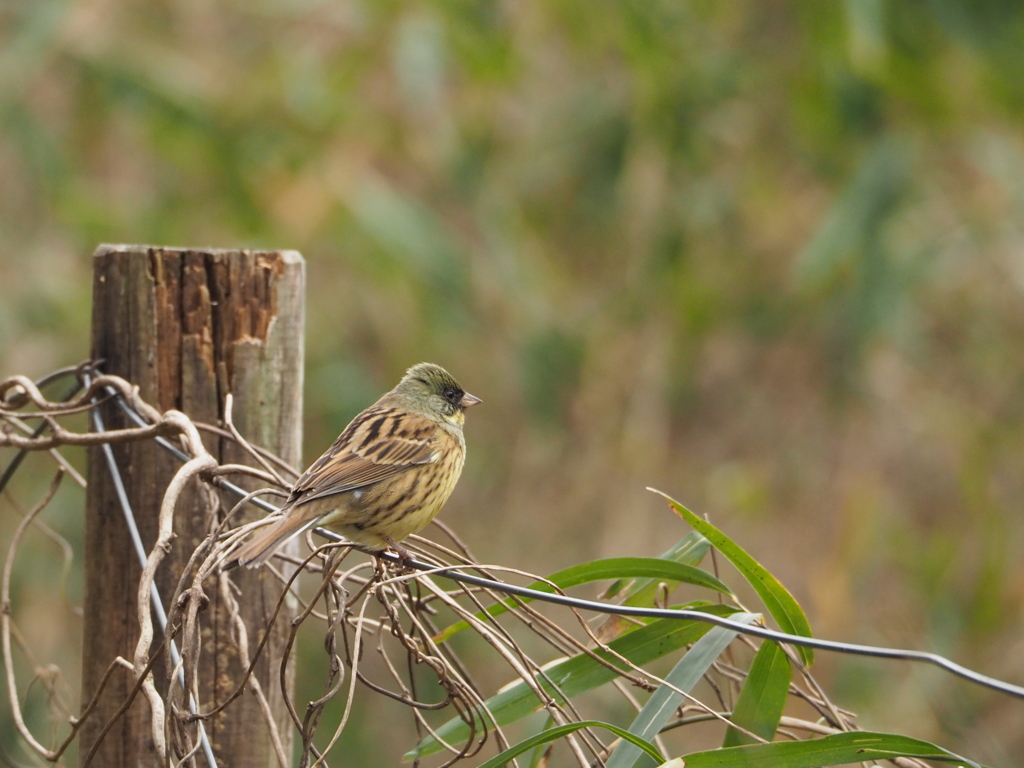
point(469, 400)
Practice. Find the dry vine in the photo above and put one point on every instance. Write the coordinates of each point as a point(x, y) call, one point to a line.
point(359, 606)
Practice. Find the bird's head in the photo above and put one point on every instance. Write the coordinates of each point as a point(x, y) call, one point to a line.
point(432, 390)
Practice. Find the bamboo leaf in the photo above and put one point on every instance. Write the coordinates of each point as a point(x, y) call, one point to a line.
point(689, 550)
point(663, 702)
point(538, 758)
point(598, 570)
point(777, 599)
point(763, 698)
point(570, 677)
point(837, 749)
point(553, 734)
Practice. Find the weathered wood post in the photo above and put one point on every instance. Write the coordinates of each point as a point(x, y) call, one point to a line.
point(188, 327)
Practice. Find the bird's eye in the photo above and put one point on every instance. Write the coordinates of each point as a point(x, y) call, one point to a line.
point(452, 395)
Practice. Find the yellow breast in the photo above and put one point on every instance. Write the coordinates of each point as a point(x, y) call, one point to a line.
point(402, 505)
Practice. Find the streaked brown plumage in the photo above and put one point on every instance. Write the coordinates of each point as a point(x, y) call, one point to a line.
point(388, 473)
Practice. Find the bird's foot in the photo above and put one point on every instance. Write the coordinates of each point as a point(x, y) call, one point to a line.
point(404, 555)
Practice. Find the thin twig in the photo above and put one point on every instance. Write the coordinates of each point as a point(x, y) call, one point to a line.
point(5, 621)
point(405, 635)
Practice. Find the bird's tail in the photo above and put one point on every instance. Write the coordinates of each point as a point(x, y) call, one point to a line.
point(264, 543)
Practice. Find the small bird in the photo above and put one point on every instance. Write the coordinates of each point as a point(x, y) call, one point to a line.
point(388, 473)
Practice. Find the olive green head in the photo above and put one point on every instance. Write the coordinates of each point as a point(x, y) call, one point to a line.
point(433, 391)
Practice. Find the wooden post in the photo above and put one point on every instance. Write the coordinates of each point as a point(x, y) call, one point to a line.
point(188, 327)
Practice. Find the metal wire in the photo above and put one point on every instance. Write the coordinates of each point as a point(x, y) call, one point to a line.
point(19, 457)
point(179, 454)
point(668, 613)
point(454, 573)
point(140, 551)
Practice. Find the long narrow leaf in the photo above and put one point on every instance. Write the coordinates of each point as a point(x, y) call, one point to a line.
point(663, 702)
point(760, 703)
point(577, 675)
point(837, 749)
point(553, 734)
point(689, 550)
point(598, 570)
point(777, 599)
point(538, 751)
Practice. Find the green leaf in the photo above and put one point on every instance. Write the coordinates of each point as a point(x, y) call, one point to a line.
point(598, 570)
point(689, 550)
point(760, 703)
point(553, 734)
point(539, 751)
point(780, 604)
point(837, 749)
point(577, 675)
point(684, 676)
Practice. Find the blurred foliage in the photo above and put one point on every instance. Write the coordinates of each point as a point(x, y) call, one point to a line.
point(769, 257)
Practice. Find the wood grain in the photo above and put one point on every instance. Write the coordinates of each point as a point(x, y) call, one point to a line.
point(188, 326)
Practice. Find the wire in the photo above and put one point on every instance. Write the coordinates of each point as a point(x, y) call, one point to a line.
point(140, 551)
point(454, 573)
point(183, 457)
point(668, 613)
point(19, 457)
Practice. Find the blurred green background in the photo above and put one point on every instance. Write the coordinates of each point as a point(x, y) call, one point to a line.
point(766, 257)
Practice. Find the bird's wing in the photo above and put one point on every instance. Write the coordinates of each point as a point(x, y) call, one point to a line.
point(380, 442)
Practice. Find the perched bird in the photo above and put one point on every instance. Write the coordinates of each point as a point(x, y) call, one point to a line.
point(388, 473)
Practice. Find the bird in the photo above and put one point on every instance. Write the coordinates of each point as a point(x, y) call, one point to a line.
point(386, 476)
